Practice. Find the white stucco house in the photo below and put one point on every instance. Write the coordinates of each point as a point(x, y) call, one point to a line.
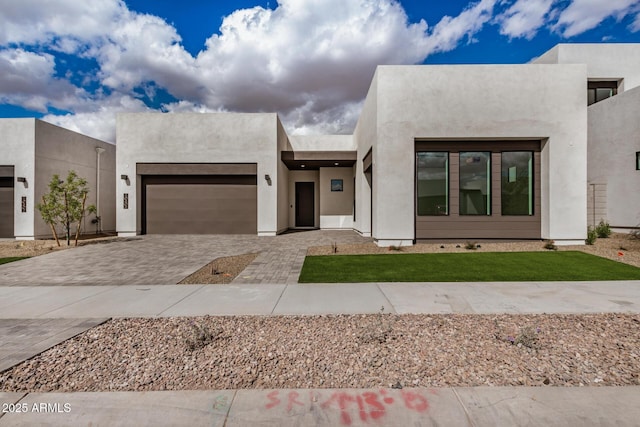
point(528, 151)
point(32, 151)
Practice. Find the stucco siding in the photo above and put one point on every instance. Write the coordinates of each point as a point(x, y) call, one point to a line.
point(198, 138)
point(58, 151)
point(614, 129)
point(483, 102)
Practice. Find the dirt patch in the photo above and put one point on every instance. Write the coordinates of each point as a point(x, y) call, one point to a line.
point(31, 248)
point(346, 351)
point(620, 247)
point(220, 270)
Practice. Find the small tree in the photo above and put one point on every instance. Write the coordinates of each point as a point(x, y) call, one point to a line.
point(65, 204)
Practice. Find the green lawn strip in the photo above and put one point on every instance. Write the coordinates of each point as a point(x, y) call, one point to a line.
point(11, 259)
point(464, 267)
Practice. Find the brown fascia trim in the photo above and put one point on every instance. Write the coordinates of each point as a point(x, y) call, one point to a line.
point(7, 171)
point(368, 160)
point(196, 168)
point(318, 159)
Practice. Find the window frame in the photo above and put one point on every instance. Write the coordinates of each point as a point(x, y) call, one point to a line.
point(447, 185)
point(532, 199)
point(489, 202)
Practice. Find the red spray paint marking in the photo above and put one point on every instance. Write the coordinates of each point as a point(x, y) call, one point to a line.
point(370, 405)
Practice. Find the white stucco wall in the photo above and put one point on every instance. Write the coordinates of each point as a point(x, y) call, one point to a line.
point(614, 139)
point(58, 151)
point(198, 138)
point(322, 143)
point(38, 150)
point(17, 148)
point(336, 207)
point(544, 102)
point(283, 181)
point(365, 136)
point(603, 60)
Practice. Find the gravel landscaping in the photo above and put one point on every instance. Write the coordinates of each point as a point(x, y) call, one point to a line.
point(339, 352)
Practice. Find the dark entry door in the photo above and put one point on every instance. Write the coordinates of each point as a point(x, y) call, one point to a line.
point(305, 210)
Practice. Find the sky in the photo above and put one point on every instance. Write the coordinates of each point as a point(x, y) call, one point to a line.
point(79, 63)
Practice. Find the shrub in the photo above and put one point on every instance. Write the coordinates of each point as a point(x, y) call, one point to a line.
point(603, 229)
point(591, 236)
point(470, 246)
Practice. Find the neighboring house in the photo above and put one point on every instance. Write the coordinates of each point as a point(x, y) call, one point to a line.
point(613, 158)
point(532, 151)
point(32, 151)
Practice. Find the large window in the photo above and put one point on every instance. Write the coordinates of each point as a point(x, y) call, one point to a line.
point(517, 183)
point(475, 183)
point(433, 183)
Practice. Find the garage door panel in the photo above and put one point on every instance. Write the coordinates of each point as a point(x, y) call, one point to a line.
point(201, 209)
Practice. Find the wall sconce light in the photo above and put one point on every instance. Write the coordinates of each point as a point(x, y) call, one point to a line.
point(268, 179)
point(22, 179)
point(124, 177)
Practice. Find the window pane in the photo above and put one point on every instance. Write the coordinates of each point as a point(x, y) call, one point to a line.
point(517, 183)
point(433, 183)
point(603, 93)
point(475, 183)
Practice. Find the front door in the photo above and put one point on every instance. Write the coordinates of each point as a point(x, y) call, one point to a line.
point(305, 210)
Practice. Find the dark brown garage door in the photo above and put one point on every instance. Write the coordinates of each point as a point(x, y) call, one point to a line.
point(219, 204)
point(6, 201)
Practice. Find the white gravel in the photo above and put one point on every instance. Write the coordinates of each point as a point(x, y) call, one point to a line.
point(339, 351)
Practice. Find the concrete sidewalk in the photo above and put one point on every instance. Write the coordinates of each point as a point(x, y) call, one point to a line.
point(476, 406)
point(26, 302)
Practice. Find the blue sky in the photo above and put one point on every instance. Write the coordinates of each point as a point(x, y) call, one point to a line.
point(77, 64)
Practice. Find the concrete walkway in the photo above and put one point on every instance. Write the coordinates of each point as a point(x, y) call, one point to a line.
point(477, 406)
point(77, 302)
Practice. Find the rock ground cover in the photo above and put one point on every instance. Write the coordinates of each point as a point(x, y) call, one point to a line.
point(343, 351)
point(220, 271)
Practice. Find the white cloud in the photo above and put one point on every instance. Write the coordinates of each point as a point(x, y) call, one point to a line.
point(99, 119)
point(72, 22)
point(309, 60)
point(524, 18)
point(27, 79)
point(584, 15)
point(448, 33)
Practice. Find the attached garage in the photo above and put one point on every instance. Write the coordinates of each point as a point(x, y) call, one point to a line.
point(198, 198)
point(6, 201)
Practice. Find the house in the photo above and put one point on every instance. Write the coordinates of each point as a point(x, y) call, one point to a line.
point(613, 158)
point(32, 152)
point(439, 152)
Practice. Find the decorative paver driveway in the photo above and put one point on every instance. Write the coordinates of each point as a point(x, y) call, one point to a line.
point(164, 260)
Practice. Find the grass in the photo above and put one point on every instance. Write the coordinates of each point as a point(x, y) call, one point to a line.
point(464, 267)
point(11, 259)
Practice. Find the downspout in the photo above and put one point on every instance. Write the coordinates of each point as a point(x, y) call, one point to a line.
point(99, 151)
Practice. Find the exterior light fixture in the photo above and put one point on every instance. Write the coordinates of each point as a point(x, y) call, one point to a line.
point(268, 179)
point(22, 179)
point(301, 166)
point(336, 164)
point(124, 177)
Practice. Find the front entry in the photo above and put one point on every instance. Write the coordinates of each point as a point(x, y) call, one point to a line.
point(305, 209)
